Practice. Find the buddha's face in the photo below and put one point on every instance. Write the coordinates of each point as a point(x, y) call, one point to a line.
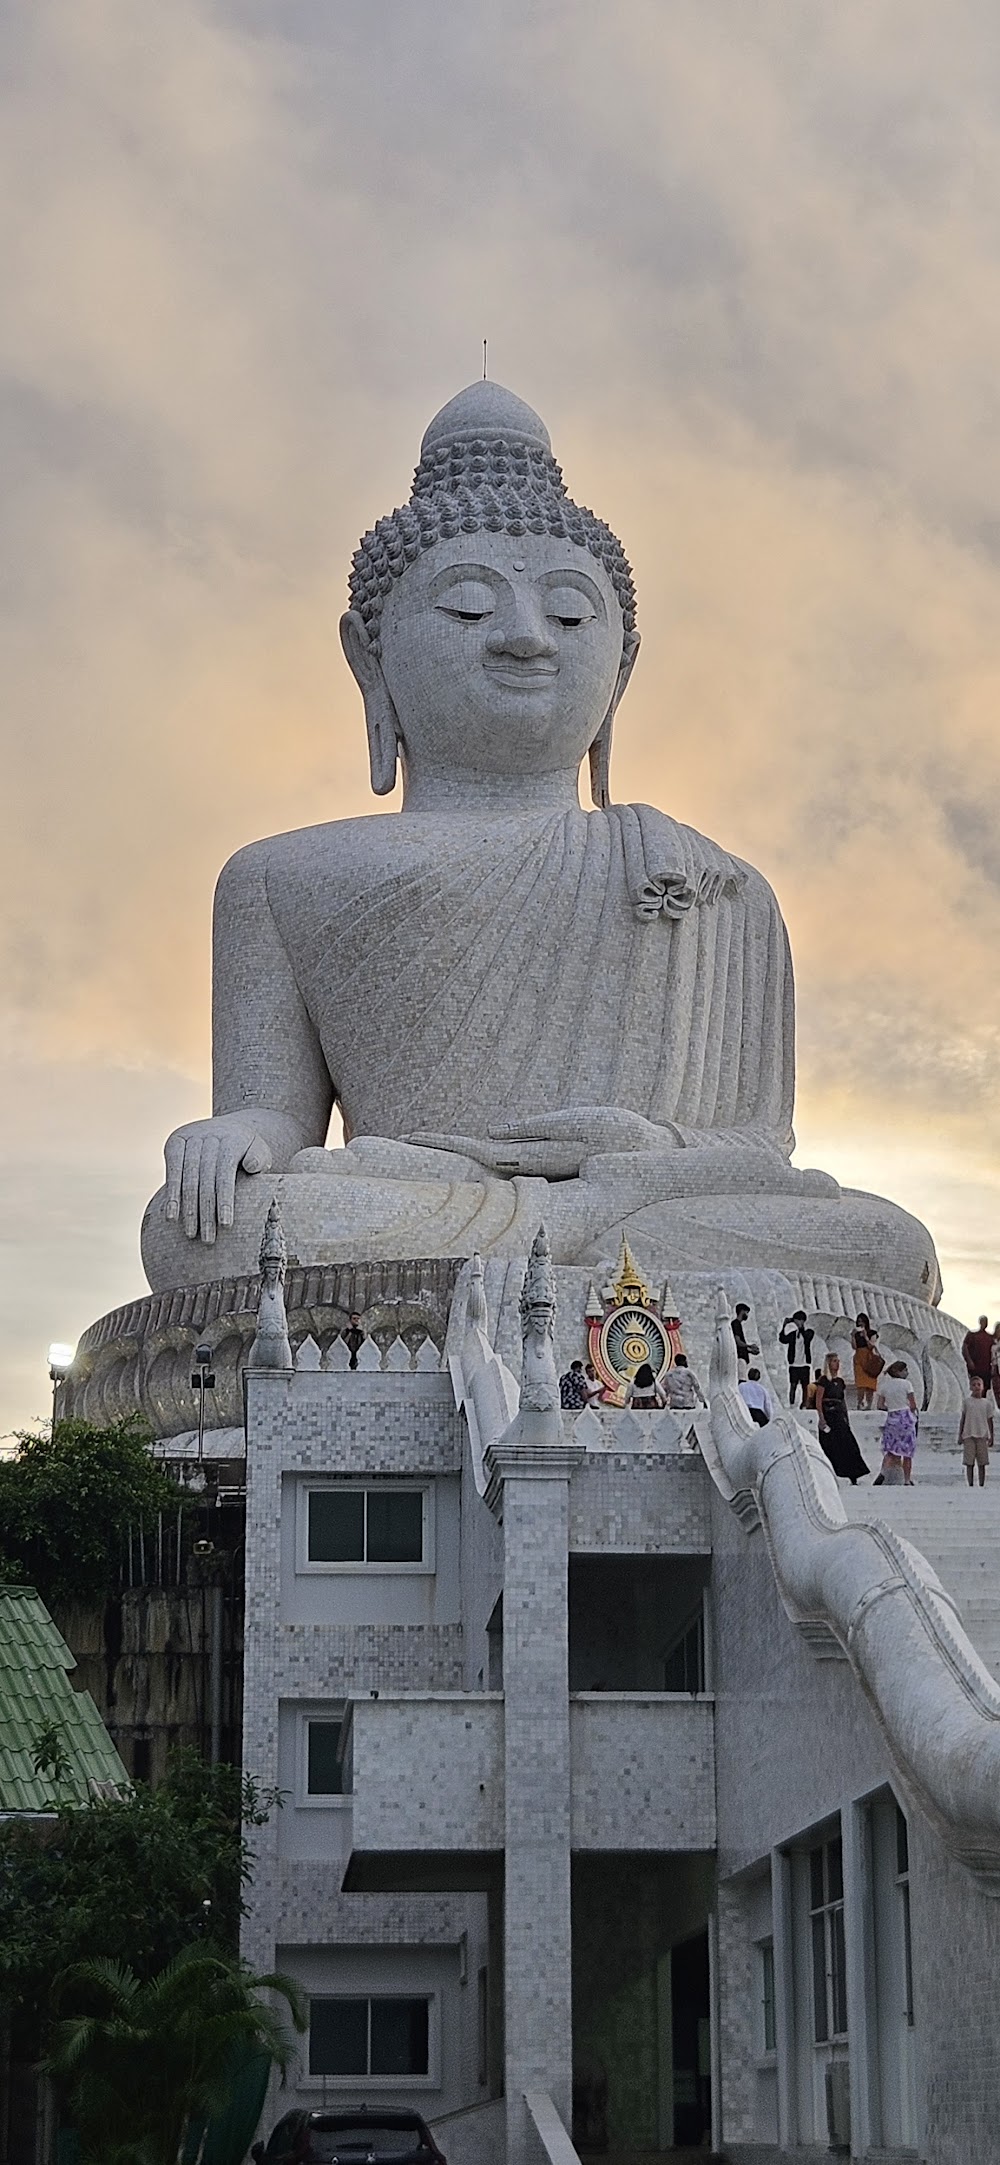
point(500, 654)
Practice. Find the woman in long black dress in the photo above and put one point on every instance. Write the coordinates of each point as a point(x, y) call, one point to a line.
point(836, 1436)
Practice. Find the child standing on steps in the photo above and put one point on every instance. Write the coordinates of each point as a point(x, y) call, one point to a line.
point(975, 1431)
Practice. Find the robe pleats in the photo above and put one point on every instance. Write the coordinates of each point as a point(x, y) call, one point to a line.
point(592, 958)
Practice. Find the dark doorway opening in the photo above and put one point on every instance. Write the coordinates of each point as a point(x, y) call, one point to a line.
point(689, 2040)
point(641, 2067)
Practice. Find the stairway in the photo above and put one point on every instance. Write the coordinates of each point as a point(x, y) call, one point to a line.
point(955, 1527)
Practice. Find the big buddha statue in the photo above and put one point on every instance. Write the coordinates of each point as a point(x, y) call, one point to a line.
point(522, 1010)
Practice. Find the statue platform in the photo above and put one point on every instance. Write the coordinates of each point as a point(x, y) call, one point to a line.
point(137, 1359)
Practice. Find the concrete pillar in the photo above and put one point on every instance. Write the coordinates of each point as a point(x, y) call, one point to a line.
point(530, 1486)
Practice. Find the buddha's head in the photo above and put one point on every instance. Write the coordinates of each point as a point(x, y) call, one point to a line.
point(492, 620)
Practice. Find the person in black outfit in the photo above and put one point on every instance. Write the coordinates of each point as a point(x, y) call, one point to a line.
point(836, 1435)
point(354, 1339)
point(573, 1388)
point(797, 1338)
point(744, 1346)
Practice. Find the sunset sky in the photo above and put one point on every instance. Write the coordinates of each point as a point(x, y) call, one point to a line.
point(744, 260)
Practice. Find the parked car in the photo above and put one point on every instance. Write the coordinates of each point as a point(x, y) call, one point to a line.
point(361, 2137)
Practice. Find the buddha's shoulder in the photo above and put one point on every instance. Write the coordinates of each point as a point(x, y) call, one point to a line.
point(282, 863)
point(661, 835)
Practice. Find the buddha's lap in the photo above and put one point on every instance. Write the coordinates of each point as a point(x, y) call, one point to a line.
point(853, 1236)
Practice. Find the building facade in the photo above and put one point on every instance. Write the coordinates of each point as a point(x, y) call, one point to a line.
point(576, 1809)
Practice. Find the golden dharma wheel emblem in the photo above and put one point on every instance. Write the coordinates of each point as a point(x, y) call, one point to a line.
point(636, 1349)
point(634, 1329)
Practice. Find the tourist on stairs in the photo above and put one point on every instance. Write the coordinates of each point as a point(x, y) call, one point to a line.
point(744, 1345)
point(573, 1388)
point(868, 1362)
point(681, 1389)
point(757, 1399)
point(595, 1388)
point(644, 1393)
point(975, 1432)
point(899, 1436)
point(836, 1435)
point(796, 1337)
point(977, 1353)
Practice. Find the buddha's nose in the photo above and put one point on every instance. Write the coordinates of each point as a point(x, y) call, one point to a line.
point(525, 634)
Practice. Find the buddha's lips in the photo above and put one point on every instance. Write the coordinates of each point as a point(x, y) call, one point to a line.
point(515, 674)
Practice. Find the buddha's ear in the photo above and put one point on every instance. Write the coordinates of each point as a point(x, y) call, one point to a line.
point(600, 750)
point(380, 714)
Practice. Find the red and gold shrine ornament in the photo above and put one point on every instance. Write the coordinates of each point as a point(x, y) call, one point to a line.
point(630, 1328)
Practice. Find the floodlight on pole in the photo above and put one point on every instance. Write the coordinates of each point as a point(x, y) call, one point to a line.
point(61, 1360)
point(202, 1380)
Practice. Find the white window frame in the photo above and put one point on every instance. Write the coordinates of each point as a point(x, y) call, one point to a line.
point(767, 2055)
point(385, 2085)
point(826, 1913)
point(353, 1568)
point(306, 1799)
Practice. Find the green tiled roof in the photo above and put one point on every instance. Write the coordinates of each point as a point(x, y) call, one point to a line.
point(36, 1694)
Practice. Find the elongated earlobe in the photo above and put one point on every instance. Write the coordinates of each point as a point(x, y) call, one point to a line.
point(380, 714)
point(600, 763)
point(600, 750)
point(383, 746)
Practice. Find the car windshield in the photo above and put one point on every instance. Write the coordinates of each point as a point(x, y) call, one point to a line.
point(284, 2137)
point(362, 2138)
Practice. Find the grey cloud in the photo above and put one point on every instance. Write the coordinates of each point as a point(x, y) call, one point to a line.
point(974, 830)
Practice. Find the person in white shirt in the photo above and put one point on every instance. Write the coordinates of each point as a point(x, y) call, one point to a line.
point(681, 1388)
point(899, 1436)
point(975, 1432)
point(757, 1398)
point(595, 1388)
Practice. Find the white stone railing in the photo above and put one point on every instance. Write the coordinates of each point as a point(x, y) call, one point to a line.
point(397, 1359)
point(485, 1390)
point(555, 2146)
point(856, 1590)
point(620, 1428)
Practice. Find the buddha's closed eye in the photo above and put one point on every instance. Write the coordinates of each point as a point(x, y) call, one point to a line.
point(468, 603)
point(569, 607)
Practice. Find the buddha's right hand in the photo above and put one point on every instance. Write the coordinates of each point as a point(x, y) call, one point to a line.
point(202, 1161)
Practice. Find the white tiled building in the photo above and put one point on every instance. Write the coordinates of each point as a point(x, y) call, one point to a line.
point(579, 1807)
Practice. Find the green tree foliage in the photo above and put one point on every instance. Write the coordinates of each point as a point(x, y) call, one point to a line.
point(67, 1502)
point(138, 2061)
point(131, 1879)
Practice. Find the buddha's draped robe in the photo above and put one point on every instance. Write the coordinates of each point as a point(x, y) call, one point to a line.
point(607, 958)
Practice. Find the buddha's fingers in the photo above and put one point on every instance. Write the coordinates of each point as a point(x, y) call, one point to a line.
point(457, 1146)
point(189, 1185)
point(231, 1154)
point(540, 1160)
point(173, 1154)
point(225, 1180)
point(257, 1158)
point(207, 1205)
point(593, 1127)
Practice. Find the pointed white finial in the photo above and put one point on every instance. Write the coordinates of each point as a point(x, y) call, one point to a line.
point(475, 1308)
point(538, 1294)
point(271, 1347)
point(539, 1377)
